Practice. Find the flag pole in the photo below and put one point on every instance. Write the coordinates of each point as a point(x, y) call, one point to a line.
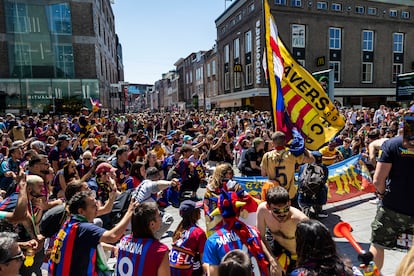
point(266, 59)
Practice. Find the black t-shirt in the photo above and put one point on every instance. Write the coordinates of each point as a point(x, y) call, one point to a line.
point(400, 188)
point(252, 156)
point(189, 124)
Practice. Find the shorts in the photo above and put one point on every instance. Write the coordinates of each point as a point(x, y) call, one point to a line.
point(388, 225)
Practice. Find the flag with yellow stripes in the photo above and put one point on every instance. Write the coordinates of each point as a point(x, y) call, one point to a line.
point(305, 102)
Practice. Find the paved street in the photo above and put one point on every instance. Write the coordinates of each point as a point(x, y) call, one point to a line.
point(357, 211)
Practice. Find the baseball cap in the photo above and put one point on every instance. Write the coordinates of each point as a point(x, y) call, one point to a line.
point(188, 206)
point(64, 137)
point(104, 168)
point(187, 137)
point(169, 137)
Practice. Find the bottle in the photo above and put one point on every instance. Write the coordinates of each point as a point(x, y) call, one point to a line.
point(29, 260)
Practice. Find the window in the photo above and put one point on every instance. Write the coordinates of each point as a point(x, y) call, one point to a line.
point(397, 68)
point(359, 10)
point(334, 38)
point(250, 8)
point(322, 5)
point(236, 48)
point(298, 36)
point(249, 74)
point(237, 79)
point(372, 11)
point(398, 43)
point(22, 54)
point(226, 54)
point(405, 14)
point(393, 13)
point(191, 76)
point(301, 62)
point(280, 2)
point(213, 68)
point(227, 81)
point(367, 40)
point(64, 60)
point(366, 72)
point(296, 3)
point(187, 79)
point(336, 66)
point(60, 21)
point(248, 42)
point(208, 69)
point(16, 17)
point(336, 7)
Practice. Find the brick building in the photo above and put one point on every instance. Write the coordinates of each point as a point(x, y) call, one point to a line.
point(366, 43)
point(55, 55)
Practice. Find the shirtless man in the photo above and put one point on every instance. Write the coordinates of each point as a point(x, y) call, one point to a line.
point(277, 221)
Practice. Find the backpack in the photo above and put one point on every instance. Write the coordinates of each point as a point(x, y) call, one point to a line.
point(120, 207)
point(311, 179)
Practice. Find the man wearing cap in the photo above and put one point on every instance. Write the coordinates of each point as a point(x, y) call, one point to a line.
point(122, 164)
point(60, 153)
point(250, 164)
point(9, 169)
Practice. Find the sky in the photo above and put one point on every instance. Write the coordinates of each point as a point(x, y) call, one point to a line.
point(156, 33)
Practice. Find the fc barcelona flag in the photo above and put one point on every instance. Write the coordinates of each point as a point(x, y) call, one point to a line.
point(298, 100)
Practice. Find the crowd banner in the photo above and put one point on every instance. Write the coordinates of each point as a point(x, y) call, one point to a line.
point(347, 179)
point(305, 104)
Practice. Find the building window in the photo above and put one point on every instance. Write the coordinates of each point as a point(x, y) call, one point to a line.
point(59, 16)
point(398, 42)
point(191, 76)
point(64, 61)
point(405, 14)
point(280, 2)
point(336, 67)
point(296, 3)
point(336, 7)
point(359, 10)
point(208, 69)
point(248, 42)
point(372, 11)
point(393, 13)
point(397, 69)
point(334, 38)
point(227, 81)
point(322, 5)
point(366, 72)
point(16, 17)
point(22, 54)
point(236, 48)
point(249, 74)
point(301, 62)
point(250, 8)
point(367, 40)
point(237, 79)
point(226, 53)
point(213, 68)
point(298, 36)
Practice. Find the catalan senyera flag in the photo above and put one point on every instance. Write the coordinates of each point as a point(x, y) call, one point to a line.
point(295, 92)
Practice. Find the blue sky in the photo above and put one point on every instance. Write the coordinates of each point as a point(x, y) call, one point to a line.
point(156, 33)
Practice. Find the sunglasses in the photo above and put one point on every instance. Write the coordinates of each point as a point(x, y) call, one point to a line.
point(278, 211)
point(87, 158)
point(19, 256)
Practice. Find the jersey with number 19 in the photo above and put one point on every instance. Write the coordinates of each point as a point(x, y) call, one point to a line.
point(280, 166)
point(139, 256)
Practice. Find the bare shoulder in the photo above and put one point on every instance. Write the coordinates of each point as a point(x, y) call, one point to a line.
point(298, 215)
point(262, 207)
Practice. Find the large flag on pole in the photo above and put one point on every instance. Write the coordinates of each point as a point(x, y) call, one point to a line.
point(295, 92)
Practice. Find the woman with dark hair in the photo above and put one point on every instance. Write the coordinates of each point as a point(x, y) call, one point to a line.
point(152, 162)
point(135, 177)
point(188, 242)
point(316, 251)
point(141, 247)
point(63, 177)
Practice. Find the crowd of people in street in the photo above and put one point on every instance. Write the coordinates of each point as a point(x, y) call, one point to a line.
point(77, 190)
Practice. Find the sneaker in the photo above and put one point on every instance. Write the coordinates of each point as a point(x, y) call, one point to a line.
point(322, 214)
point(374, 201)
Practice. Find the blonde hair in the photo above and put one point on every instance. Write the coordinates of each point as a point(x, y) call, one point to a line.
point(406, 266)
point(218, 175)
point(33, 179)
